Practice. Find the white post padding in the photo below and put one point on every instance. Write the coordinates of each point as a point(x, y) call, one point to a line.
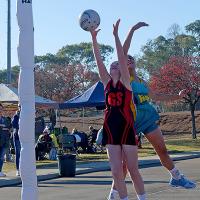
point(27, 100)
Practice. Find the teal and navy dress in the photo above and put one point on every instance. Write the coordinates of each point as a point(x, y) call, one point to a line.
point(146, 115)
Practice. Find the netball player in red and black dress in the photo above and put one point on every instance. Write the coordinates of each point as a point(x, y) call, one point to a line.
point(118, 129)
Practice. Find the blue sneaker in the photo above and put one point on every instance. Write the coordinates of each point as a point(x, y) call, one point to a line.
point(183, 182)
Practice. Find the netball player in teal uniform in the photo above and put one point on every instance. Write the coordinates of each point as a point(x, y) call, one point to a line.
point(146, 118)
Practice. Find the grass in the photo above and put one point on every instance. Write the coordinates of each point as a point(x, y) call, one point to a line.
point(8, 166)
point(174, 145)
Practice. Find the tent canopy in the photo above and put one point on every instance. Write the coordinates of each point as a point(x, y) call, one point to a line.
point(93, 97)
point(9, 96)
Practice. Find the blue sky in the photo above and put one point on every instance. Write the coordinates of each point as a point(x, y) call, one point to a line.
point(56, 22)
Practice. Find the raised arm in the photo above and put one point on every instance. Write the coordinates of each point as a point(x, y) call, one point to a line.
point(121, 57)
point(128, 39)
point(104, 75)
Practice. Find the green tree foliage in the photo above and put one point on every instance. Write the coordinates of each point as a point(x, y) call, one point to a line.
point(187, 44)
point(3, 76)
point(74, 55)
point(14, 75)
point(65, 74)
point(155, 53)
point(49, 60)
point(158, 51)
point(194, 28)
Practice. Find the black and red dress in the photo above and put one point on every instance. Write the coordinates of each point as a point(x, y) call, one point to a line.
point(118, 127)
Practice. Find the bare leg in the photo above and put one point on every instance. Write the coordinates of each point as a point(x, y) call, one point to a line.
point(131, 154)
point(115, 158)
point(156, 139)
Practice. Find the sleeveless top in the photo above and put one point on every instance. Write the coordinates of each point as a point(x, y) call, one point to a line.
point(118, 127)
point(145, 111)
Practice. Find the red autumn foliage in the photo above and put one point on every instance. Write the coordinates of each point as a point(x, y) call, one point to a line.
point(179, 78)
point(62, 83)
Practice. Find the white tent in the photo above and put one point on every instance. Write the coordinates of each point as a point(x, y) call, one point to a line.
point(9, 96)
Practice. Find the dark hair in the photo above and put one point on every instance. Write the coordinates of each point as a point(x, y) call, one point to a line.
point(131, 57)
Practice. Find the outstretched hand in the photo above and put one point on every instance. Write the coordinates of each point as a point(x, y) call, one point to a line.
point(94, 33)
point(139, 25)
point(116, 27)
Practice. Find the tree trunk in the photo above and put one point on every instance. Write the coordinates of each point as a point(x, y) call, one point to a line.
point(194, 131)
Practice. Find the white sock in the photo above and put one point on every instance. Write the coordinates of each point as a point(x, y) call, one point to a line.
point(141, 196)
point(175, 173)
point(126, 198)
point(114, 193)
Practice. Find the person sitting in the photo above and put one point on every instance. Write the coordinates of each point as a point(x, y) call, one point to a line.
point(39, 125)
point(93, 133)
point(92, 138)
point(43, 145)
point(83, 141)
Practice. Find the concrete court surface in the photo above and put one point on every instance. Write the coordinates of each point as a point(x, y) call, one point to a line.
point(95, 186)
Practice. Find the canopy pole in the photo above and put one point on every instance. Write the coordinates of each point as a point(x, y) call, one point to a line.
point(83, 116)
point(59, 118)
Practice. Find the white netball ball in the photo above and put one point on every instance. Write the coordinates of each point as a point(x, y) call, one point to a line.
point(89, 20)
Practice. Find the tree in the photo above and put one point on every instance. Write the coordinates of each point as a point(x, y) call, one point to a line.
point(187, 44)
point(74, 55)
point(65, 74)
point(180, 77)
point(174, 30)
point(49, 60)
point(62, 83)
point(69, 72)
point(157, 52)
point(14, 75)
point(194, 28)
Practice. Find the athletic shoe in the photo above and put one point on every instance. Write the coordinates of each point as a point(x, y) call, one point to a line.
point(113, 196)
point(190, 181)
point(182, 182)
point(17, 173)
point(2, 174)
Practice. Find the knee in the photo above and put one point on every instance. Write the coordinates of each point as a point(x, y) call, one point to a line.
point(117, 173)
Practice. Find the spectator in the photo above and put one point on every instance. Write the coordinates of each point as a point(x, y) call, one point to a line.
point(93, 132)
point(8, 153)
point(16, 141)
point(4, 138)
point(83, 143)
point(43, 145)
point(52, 118)
point(53, 151)
point(92, 138)
point(99, 137)
point(39, 125)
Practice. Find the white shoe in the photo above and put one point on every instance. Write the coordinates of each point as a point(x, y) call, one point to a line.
point(113, 196)
point(2, 174)
point(17, 173)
